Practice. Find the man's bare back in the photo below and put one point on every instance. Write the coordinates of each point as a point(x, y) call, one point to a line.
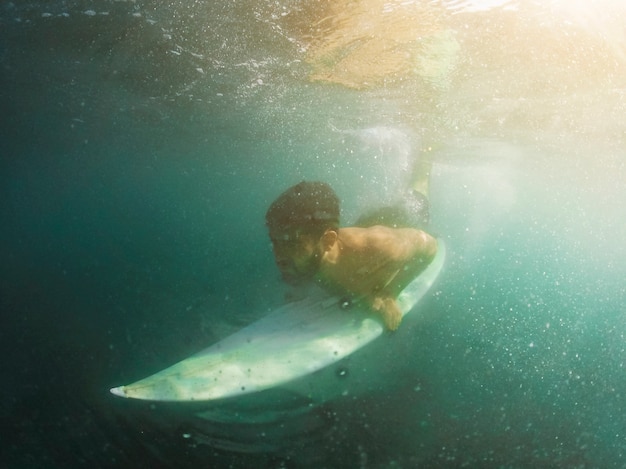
point(375, 264)
point(372, 264)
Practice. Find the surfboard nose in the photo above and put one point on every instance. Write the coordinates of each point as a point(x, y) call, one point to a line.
point(118, 391)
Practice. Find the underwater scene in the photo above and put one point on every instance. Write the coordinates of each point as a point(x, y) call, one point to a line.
point(142, 141)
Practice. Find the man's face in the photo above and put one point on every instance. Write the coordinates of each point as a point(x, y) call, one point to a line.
point(297, 255)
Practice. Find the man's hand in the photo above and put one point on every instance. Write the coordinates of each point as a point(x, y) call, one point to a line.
point(389, 310)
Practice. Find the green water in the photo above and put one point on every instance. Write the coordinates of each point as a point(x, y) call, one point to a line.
point(140, 149)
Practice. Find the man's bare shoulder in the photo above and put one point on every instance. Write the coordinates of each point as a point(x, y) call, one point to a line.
point(381, 235)
point(399, 244)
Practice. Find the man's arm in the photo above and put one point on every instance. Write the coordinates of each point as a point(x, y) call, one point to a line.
point(389, 311)
point(415, 251)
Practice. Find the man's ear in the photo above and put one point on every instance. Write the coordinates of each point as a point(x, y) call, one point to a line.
point(328, 240)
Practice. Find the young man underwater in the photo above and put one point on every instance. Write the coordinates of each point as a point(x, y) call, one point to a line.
point(372, 261)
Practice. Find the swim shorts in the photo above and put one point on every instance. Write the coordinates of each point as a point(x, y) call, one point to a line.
point(411, 211)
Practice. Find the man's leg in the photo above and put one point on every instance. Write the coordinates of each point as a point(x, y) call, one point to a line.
point(413, 208)
point(420, 180)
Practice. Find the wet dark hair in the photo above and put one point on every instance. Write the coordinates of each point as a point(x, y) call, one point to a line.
point(312, 207)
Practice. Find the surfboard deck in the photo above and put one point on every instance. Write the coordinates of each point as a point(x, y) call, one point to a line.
point(294, 340)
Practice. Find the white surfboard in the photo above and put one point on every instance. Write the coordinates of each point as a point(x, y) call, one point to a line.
point(295, 340)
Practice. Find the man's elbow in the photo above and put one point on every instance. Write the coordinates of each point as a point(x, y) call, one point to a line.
point(429, 247)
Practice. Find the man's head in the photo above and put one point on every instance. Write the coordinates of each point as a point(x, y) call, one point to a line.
point(297, 220)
